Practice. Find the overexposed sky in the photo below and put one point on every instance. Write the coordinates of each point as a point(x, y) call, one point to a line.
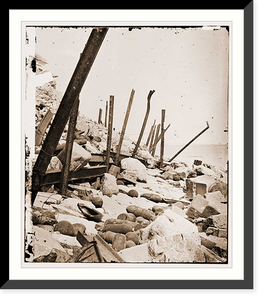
point(187, 68)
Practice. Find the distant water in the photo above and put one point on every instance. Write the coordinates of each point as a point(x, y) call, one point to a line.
point(216, 155)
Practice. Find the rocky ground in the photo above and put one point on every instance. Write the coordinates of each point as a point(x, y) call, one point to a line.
point(177, 214)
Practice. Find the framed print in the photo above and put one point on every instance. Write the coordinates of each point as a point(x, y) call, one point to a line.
point(132, 149)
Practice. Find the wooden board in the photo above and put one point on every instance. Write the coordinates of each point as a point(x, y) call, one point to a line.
point(88, 254)
point(122, 156)
point(108, 253)
point(53, 176)
point(42, 126)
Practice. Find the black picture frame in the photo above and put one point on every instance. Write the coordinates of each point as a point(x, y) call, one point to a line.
point(247, 282)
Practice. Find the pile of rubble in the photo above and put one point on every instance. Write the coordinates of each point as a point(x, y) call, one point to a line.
point(134, 213)
point(150, 219)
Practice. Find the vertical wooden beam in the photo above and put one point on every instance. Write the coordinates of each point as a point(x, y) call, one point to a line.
point(155, 141)
point(100, 116)
point(144, 123)
point(69, 144)
point(124, 126)
point(73, 90)
point(150, 133)
point(162, 139)
point(106, 112)
point(110, 128)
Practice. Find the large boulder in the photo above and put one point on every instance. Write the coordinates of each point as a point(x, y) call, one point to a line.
point(135, 168)
point(177, 248)
point(169, 224)
point(109, 185)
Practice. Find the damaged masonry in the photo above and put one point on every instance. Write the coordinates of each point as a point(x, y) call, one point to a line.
point(95, 195)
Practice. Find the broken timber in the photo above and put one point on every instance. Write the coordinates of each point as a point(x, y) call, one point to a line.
point(106, 253)
point(106, 112)
point(144, 123)
point(156, 141)
point(54, 176)
point(152, 137)
point(89, 253)
point(100, 116)
point(150, 133)
point(69, 144)
point(73, 90)
point(42, 127)
point(162, 139)
point(109, 132)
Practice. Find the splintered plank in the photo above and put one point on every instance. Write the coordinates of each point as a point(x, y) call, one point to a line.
point(99, 158)
point(52, 176)
point(108, 253)
point(88, 254)
point(42, 127)
point(105, 252)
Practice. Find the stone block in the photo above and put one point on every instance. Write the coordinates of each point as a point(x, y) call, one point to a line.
point(177, 248)
point(201, 207)
point(137, 254)
point(114, 170)
point(210, 256)
point(199, 185)
point(212, 231)
point(197, 207)
point(218, 221)
point(216, 196)
point(207, 241)
point(109, 185)
point(213, 242)
point(44, 242)
point(169, 224)
point(222, 233)
point(197, 162)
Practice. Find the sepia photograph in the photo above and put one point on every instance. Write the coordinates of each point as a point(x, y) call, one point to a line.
point(126, 133)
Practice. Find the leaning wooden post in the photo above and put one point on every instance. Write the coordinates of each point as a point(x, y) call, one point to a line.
point(150, 133)
point(124, 126)
point(100, 116)
point(152, 137)
point(155, 141)
point(144, 123)
point(69, 144)
point(106, 112)
point(184, 147)
point(109, 133)
point(162, 139)
point(159, 138)
point(73, 90)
